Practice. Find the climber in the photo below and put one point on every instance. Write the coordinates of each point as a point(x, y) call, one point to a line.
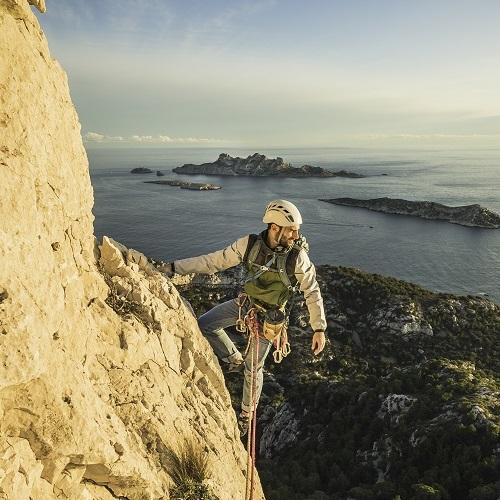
point(277, 265)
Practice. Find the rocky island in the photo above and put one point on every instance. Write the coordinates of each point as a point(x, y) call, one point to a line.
point(141, 170)
point(194, 186)
point(258, 165)
point(466, 215)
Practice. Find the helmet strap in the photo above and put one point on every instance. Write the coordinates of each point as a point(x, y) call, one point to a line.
point(280, 234)
point(276, 240)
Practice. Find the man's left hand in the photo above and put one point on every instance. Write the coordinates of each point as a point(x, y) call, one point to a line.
point(318, 342)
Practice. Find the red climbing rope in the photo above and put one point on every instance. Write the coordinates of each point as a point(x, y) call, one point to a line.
point(253, 328)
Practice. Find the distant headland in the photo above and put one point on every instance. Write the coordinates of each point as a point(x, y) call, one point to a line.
point(258, 165)
point(466, 215)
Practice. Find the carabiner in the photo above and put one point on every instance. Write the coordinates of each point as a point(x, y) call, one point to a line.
point(278, 356)
point(286, 349)
point(241, 326)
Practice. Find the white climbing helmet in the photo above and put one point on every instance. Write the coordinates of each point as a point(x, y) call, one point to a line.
point(283, 213)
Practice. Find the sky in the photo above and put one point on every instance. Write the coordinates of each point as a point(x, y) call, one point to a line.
point(280, 72)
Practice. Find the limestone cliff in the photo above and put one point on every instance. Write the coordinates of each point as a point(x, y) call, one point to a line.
point(89, 397)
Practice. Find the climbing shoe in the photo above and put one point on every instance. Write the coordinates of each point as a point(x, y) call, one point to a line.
point(235, 367)
point(236, 363)
point(243, 423)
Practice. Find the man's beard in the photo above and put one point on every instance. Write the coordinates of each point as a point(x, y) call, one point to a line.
point(286, 242)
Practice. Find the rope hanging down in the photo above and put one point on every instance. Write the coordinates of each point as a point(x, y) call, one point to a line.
point(250, 323)
point(253, 344)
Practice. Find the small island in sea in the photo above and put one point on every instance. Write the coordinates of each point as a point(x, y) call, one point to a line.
point(465, 215)
point(258, 165)
point(141, 170)
point(194, 186)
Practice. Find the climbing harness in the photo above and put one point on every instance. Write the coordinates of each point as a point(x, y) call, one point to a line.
point(274, 326)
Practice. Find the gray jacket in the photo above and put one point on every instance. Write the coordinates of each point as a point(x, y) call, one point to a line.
point(233, 254)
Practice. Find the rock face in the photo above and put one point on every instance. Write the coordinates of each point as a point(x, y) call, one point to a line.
point(258, 165)
point(281, 430)
point(467, 215)
point(101, 365)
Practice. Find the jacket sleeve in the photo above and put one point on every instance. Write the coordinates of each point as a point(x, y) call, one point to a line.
point(305, 272)
point(213, 262)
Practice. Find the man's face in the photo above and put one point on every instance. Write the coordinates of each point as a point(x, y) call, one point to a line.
point(290, 235)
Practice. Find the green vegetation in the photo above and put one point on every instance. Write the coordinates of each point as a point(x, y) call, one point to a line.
point(408, 408)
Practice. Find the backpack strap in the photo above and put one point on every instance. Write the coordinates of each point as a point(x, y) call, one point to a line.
point(293, 255)
point(252, 238)
point(282, 269)
point(291, 263)
point(251, 254)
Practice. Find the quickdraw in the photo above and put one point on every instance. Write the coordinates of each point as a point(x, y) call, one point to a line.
point(240, 322)
point(281, 345)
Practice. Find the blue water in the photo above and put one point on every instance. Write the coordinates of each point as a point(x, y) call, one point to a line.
point(171, 223)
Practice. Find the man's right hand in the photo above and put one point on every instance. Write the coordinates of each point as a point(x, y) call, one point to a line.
point(137, 257)
point(141, 260)
point(150, 266)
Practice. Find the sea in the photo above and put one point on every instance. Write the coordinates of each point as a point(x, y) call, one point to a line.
point(170, 223)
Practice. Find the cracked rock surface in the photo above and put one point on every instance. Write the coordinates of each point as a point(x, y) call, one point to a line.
point(102, 366)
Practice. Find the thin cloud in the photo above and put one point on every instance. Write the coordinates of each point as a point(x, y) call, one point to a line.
point(118, 22)
point(95, 137)
point(148, 139)
point(229, 69)
point(428, 136)
point(222, 24)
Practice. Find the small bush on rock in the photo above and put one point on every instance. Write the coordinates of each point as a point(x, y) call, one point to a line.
point(188, 468)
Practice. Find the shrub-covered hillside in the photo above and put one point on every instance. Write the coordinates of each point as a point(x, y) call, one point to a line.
point(404, 401)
